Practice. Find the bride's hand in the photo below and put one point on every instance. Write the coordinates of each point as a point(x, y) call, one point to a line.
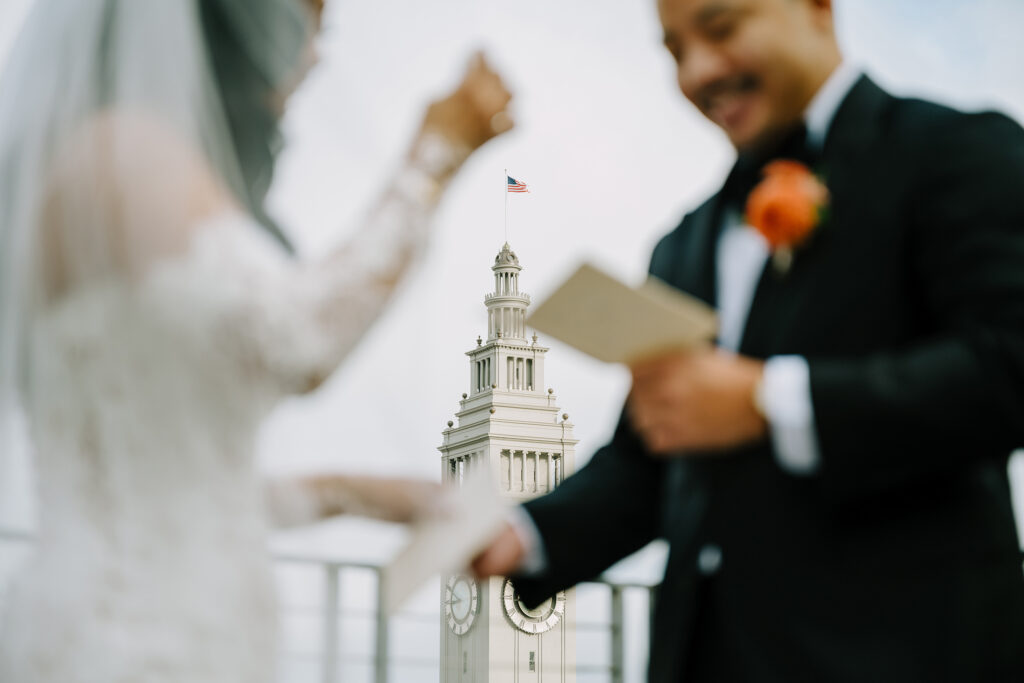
point(475, 112)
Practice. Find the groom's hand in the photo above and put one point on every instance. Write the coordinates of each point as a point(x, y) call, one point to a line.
point(502, 557)
point(696, 400)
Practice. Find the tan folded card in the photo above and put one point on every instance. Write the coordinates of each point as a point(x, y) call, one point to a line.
point(616, 323)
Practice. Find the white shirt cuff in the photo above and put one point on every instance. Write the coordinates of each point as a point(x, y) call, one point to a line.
point(535, 560)
point(786, 397)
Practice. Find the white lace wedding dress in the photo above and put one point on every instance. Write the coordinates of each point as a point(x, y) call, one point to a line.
point(151, 562)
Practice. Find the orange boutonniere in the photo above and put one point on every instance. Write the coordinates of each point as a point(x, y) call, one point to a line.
point(786, 207)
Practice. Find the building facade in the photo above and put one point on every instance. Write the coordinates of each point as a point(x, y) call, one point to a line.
point(509, 423)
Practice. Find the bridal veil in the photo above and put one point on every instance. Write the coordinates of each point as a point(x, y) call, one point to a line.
point(114, 117)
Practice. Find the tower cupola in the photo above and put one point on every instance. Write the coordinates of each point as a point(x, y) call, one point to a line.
point(506, 305)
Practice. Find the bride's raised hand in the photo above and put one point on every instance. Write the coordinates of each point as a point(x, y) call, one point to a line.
point(475, 111)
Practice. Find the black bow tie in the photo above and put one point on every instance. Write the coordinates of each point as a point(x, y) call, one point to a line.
point(746, 173)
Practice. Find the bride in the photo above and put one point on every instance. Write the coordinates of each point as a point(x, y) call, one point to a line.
point(151, 316)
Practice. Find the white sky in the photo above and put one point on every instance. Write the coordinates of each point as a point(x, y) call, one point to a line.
point(613, 156)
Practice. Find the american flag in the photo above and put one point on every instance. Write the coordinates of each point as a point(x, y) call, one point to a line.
point(516, 186)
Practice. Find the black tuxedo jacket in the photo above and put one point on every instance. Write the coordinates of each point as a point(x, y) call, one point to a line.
point(898, 559)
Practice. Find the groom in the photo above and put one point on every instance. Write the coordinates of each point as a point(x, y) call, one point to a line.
point(832, 478)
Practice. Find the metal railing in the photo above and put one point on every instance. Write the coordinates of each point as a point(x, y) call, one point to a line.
point(606, 616)
point(604, 619)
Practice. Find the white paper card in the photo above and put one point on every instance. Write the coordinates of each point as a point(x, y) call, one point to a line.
point(469, 518)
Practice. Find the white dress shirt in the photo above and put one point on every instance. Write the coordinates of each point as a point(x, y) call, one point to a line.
point(740, 258)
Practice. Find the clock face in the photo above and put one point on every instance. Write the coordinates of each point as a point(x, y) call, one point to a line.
point(460, 603)
point(538, 620)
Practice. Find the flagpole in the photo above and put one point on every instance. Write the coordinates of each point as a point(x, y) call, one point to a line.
point(505, 184)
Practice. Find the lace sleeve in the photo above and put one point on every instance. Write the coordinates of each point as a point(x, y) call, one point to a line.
point(294, 322)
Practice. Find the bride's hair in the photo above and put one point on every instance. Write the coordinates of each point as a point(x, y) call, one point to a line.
point(253, 48)
point(247, 89)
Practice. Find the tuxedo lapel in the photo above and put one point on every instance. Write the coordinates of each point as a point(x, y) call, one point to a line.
point(776, 301)
point(691, 265)
point(856, 126)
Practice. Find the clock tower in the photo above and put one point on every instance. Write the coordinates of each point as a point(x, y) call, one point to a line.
point(507, 422)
